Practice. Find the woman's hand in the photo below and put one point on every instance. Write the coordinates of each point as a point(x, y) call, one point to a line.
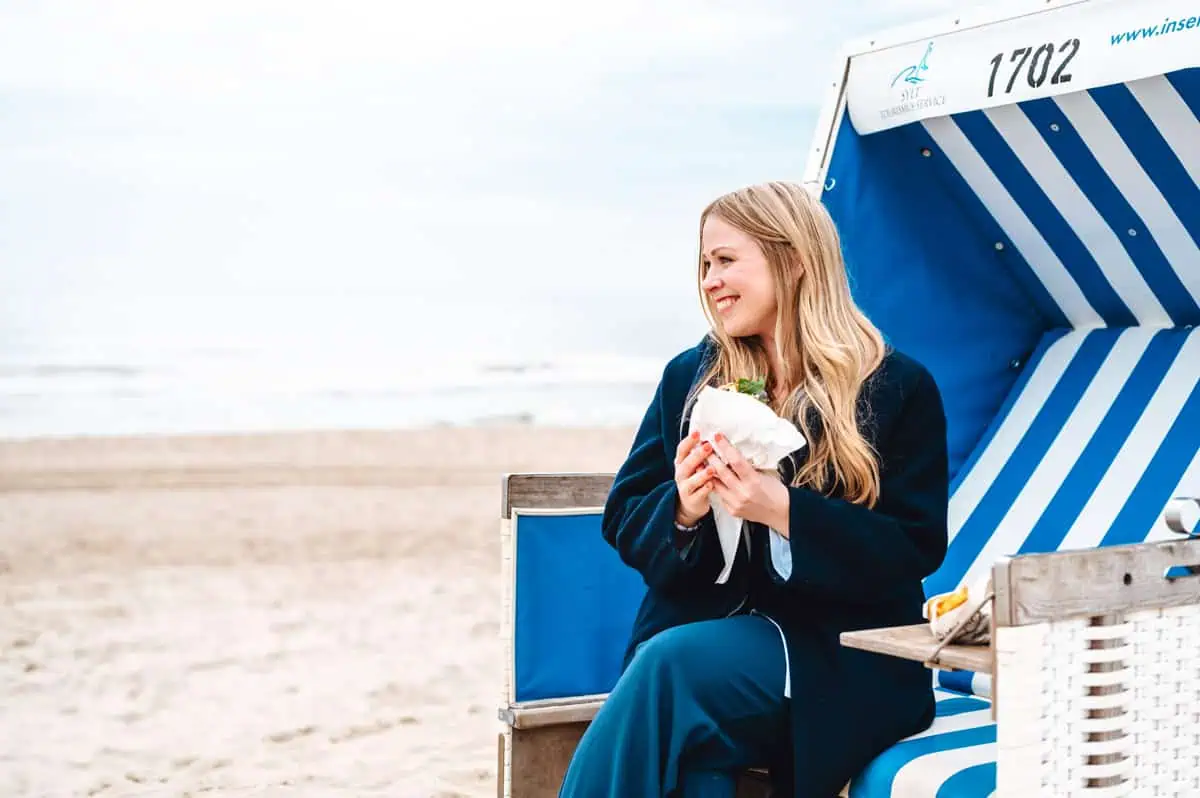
point(693, 478)
point(747, 492)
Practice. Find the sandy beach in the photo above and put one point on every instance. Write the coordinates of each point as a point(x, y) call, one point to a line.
point(311, 613)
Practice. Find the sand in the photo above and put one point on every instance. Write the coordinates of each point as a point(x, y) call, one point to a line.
point(292, 614)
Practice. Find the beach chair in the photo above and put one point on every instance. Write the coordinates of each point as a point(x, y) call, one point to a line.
point(1018, 192)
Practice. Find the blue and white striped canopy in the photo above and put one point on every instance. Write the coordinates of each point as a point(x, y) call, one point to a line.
point(972, 237)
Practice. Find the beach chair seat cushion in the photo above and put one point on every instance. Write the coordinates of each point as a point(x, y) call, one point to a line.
point(953, 758)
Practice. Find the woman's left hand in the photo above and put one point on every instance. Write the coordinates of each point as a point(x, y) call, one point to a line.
point(747, 492)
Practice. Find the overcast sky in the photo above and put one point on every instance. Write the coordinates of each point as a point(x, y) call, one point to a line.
point(300, 147)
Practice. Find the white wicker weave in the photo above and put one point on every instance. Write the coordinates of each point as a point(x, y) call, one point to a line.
point(1099, 705)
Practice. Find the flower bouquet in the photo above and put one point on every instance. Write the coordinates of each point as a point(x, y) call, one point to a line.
point(739, 411)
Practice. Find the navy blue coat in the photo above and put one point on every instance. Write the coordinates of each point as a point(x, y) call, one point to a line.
point(852, 568)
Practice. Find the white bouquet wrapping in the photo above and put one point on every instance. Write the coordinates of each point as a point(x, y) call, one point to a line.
point(754, 429)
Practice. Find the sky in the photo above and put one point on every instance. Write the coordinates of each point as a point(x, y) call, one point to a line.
point(234, 147)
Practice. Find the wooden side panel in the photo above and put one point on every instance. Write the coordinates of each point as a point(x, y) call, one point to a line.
point(540, 757)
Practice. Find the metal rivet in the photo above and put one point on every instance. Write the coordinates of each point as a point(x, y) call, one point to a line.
point(926, 152)
point(1054, 126)
point(999, 245)
point(1132, 232)
point(1014, 364)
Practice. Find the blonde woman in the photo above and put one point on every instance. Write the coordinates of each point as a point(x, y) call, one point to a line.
point(722, 677)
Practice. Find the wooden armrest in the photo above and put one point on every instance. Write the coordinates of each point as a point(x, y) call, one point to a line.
point(552, 712)
point(553, 491)
point(917, 642)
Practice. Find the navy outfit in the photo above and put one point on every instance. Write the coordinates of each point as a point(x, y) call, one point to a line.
point(701, 695)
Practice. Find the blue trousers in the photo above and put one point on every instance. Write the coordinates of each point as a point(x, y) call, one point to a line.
point(698, 704)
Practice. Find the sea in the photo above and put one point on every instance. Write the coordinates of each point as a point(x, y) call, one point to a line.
point(99, 365)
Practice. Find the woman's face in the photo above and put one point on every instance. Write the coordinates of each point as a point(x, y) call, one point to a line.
point(737, 280)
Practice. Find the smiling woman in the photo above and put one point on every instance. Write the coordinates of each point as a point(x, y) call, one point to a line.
point(725, 674)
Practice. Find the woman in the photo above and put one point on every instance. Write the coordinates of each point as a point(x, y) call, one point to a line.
point(722, 677)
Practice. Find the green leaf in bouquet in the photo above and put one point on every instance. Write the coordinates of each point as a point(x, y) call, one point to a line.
point(754, 387)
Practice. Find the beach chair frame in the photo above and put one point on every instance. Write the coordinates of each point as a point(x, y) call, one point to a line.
point(1096, 653)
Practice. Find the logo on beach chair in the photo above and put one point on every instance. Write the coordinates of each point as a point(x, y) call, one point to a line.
point(913, 96)
point(913, 74)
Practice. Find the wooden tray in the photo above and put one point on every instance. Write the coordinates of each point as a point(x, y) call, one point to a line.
point(918, 643)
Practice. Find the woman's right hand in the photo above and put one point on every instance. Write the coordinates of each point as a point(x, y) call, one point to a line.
point(693, 478)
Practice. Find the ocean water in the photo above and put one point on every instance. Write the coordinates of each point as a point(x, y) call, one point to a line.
point(95, 365)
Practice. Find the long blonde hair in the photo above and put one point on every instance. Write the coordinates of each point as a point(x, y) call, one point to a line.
point(828, 347)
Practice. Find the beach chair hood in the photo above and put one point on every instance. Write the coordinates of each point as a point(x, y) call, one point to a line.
point(998, 183)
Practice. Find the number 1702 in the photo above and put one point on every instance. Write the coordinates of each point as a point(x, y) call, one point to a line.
point(1040, 61)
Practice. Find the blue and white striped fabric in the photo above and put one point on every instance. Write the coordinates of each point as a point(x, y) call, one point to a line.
point(1101, 435)
point(1105, 429)
point(1053, 249)
point(1097, 190)
point(955, 757)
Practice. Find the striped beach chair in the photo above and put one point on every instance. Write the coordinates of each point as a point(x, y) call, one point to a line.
point(1098, 436)
point(1019, 198)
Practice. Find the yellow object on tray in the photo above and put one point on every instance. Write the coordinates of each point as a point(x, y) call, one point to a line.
point(963, 615)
